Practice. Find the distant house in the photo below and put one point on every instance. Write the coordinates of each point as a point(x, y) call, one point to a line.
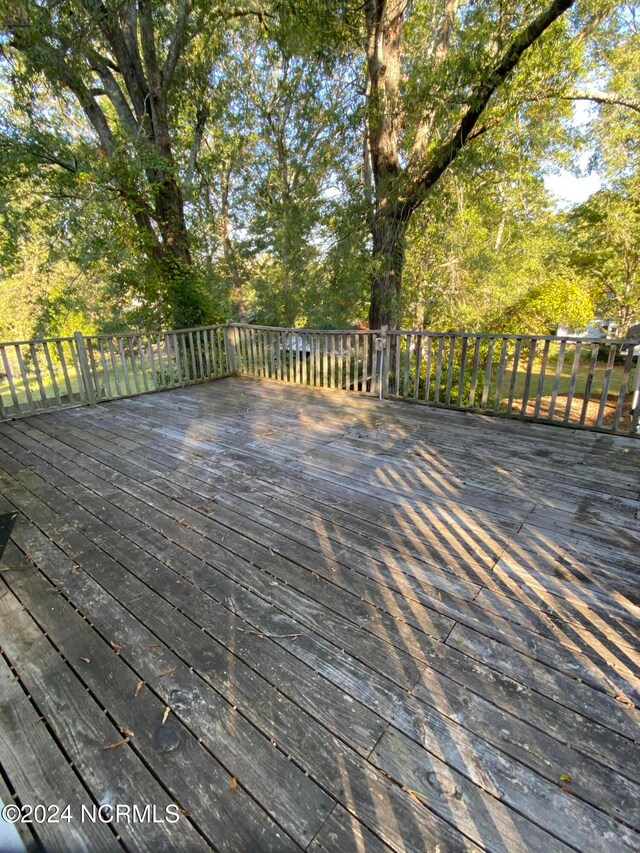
point(633, 333)
point(596, 330)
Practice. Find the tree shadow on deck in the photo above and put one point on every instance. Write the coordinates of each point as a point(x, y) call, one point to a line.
point(389, 600)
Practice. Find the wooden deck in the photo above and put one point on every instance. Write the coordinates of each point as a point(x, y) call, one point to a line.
point(313, 620)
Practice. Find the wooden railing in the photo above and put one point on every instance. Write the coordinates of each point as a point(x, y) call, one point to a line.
point(331, 359)
point(37, 376)
point(562, 380)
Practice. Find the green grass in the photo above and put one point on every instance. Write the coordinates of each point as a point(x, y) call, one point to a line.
point(547, 388)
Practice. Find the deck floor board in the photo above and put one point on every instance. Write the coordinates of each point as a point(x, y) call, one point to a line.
point(373, 625)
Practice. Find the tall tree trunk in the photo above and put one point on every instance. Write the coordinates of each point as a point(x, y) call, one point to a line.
point(384, 52)
point(388, 263)
point(401, 189)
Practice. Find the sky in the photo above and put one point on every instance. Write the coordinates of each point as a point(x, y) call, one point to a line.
point(571, 188)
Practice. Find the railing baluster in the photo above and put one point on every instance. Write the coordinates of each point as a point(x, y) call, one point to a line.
point(152, 362)
point(356, 362)
point(36, 365)
point(255, 367)
point(624, 384)
point(452, 348)
point(325, 362)
point(347, 363)
point(366, 376)
point(12, 385)
point(407, 358)
point(185, 355)
point(427, 369)
point(143, 366)
point(635, 402)
point(134, 366)
point(93, 369)
point(305, 357)
point(541, 378)
point(125, 369)
point(463, 363)
point(593, 364)
point(527, 379)
point(487, 376)
point(375, 366)
point(416, 382)
point(105, 372)
point(177, 358)
point(474, 374)
point(556, 380)
point(605, 385)
point(572, 382)
point(213, 346)
point(500, 378)
point(52, 375)
point(112, 355)
point(332, 362)
point(25, 378)
point(438, 376)
point(514, 374)
point(200, 361)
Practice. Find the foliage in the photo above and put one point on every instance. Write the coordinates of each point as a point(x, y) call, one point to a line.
point(606, 231)
point(264, 167)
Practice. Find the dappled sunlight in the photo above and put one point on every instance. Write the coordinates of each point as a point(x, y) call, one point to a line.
point(405, 645)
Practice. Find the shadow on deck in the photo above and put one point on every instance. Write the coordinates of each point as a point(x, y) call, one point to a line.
point(283, 618)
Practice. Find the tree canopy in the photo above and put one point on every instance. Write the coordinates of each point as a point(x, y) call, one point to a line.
point(318, 163)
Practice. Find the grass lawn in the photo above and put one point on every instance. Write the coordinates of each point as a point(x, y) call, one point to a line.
point(547, 388)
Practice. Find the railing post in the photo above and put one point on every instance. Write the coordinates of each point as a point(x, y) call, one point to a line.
point(85, 371)
point(393, 341)
point(382, 348)
point(230, 345)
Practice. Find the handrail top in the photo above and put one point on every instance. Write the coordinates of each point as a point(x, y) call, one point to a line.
point(517, 336)
point(156, 332)
point(36, 341)
point(500, 336)
point(303, 330)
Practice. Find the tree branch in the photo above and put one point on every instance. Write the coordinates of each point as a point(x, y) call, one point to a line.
point(439, 53)
point(201, 122)
point(478, 101)
point(598, 98)
point(128, 65)
point(176, 46)
point(156, 94)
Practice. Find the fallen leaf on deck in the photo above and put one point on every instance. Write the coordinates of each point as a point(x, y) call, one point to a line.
point(86, 660)
point(138, 687)
point(167, 711)
point(115, 646)
point(126, 731)
point(167, 671)
point(117, 743)
point(624, 699)
point(233, 784)
point(565, 778)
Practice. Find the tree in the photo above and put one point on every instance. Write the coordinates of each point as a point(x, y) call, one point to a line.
point(137, 72)
point(606, 234)
point(425, 105)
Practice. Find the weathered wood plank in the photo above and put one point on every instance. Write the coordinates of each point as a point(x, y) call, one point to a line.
point(83, 731)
